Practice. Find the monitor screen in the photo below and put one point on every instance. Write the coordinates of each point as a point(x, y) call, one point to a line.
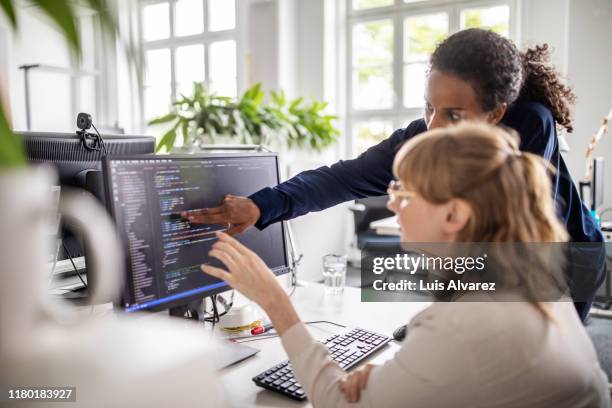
point(146, 195)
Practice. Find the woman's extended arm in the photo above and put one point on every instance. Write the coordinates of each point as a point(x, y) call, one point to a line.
point(312, 190)
point(318, 189)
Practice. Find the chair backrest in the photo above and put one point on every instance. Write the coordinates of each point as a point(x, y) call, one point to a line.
point(371, 209)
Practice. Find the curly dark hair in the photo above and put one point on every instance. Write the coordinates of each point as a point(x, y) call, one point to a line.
point(500, 73)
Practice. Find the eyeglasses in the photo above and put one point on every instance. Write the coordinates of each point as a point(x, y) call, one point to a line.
point(396, 190)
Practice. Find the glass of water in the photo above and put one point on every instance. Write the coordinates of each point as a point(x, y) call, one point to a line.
point(334, 273)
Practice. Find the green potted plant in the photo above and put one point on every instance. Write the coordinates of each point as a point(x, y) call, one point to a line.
point(204, 118)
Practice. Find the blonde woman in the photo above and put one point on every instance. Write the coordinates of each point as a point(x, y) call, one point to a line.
point(468, 183)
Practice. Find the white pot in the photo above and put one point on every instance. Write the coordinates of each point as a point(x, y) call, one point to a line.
point(27, 213)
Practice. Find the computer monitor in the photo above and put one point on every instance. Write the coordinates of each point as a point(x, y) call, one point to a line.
point(597, 186)
point(78, 165)
point(146, 195)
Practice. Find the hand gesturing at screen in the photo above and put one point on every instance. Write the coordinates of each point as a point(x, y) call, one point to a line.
point(239, 213)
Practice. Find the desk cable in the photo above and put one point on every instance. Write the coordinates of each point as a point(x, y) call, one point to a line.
point(74, 265)
point(296, 257)
point(214, 316)
point(76, 270)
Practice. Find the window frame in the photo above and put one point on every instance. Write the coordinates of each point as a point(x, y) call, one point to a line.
point(205, 38)
point(398, 114)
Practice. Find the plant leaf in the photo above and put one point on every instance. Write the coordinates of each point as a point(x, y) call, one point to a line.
point(295, 104)
point(106, 16)
point(167, 140)
point(9, 11)
point(12, 152)
point(185, 130)
point(163, 119)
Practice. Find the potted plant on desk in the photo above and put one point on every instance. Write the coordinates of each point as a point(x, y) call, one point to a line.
point(204, 118)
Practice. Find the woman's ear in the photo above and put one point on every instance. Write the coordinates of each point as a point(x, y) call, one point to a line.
point(498, 113)
point(458, 214)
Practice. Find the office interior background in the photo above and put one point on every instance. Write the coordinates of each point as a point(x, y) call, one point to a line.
point(365, 58)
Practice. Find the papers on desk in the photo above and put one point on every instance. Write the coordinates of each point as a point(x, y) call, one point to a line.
point(65, 266)
point(386, 226)
point(64, 277)
point(69, 284)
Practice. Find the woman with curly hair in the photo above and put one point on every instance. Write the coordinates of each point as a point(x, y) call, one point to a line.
point(476, 75)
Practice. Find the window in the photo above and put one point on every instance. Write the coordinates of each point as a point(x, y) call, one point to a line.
point(373, 64)
point(390, 42)
point(492, 18)
point(187, 41)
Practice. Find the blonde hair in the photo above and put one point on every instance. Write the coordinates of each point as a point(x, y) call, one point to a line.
point(509, 192)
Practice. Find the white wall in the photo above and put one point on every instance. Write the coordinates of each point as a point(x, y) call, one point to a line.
point(532, 15)
point(310, 47)
point(262, 44)
point(50, 92)
point(580, 33)
point(56, 95)
point(590, 73)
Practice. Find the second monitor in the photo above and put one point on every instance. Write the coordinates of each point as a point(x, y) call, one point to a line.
point(164, 251)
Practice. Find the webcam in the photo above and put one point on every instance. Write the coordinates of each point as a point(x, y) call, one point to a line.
point(84, 121)
point(91, 141)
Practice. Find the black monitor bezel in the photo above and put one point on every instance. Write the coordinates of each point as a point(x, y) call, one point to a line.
point(198, 156)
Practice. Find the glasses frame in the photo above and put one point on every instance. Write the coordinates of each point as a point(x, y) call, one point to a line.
point(395, 190)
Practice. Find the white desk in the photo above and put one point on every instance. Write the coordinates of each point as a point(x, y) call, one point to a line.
point(312, 304)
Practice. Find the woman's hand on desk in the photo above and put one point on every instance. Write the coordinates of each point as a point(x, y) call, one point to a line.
point(352, 384)
point(241, 213)
point(248, 274)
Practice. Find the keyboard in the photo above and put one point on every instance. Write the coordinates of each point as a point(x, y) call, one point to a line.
point(348, 350)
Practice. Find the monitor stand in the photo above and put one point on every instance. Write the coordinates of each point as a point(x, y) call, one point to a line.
point(185, 312)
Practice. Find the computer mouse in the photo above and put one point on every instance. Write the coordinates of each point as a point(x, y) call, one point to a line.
point(399, 334)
